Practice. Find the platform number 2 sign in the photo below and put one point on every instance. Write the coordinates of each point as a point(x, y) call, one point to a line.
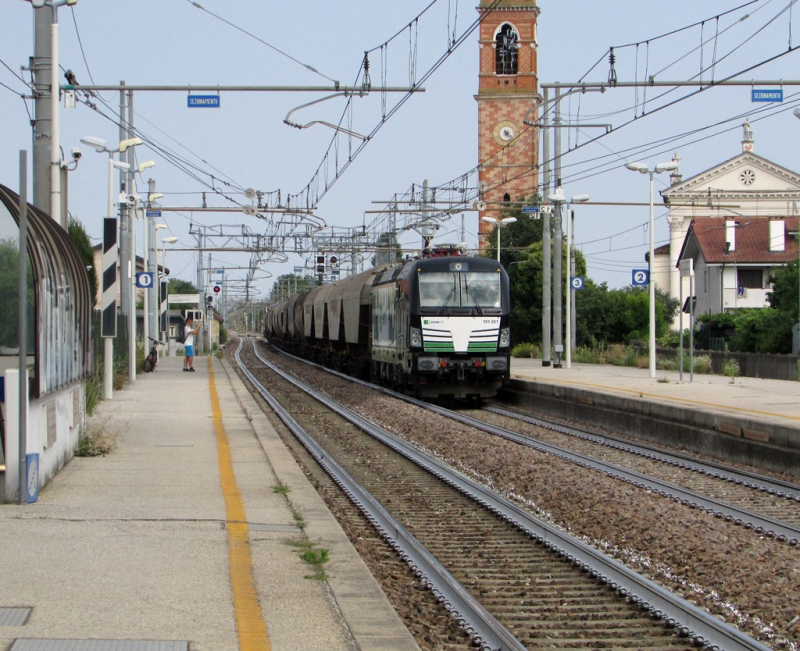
point(640, 277)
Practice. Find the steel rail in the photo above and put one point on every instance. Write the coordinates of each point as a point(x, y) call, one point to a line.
point(487, 633)
point(781, 531)
point(688, 620)
point(752, 480)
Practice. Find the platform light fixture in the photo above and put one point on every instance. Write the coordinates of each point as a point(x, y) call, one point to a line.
point(660, 168)
point(499, 223)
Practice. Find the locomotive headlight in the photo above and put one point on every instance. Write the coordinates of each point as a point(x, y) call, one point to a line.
point(415, 338)
point(505, 337)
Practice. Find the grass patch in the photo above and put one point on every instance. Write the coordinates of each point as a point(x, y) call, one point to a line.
point(281, 489)
point(93, 392)
point(96, 443)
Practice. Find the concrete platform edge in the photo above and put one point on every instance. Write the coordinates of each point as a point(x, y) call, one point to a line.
point(364, 607)
point(730, 436)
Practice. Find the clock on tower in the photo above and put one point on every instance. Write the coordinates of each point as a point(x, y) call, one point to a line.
point(507, 91)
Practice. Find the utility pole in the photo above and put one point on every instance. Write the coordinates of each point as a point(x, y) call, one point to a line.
point(55, 140)
point(41, 66)
point(152, 262)
point(124, 233)
point(547, 321)
point(128, 185)
point(558, 248)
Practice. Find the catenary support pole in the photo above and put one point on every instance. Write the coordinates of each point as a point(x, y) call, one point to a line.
point(42, 107)
point(55, 143)
point(652, 285)
point(572, 295)
point(547, 317)
point(152, 262)
point(23, 320)
point(558, 245)
point(130, 188)
point(124, 231)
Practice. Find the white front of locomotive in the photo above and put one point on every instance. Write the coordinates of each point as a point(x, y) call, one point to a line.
point(459, 331)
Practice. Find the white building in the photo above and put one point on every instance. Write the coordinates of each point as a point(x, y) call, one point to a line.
point(737, 222)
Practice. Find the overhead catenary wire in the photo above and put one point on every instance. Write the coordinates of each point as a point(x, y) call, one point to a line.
point(262, 41)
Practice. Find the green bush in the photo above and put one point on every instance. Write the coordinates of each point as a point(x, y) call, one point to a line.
point(702, 364)
point(526, 350)
point(620, 355)
point(587, 355)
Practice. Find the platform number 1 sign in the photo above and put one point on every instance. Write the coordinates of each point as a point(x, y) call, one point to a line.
point(640, 277)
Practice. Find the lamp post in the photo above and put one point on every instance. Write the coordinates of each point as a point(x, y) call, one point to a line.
point(660, 168)
point(164, 242)
point(499, 223)
point(559, 199)
point(100, 146)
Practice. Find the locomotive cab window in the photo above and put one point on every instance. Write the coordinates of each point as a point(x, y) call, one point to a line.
point(468, 289)
point(481, 289)
point(438, 290)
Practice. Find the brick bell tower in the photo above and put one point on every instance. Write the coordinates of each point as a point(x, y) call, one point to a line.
point(507, 90)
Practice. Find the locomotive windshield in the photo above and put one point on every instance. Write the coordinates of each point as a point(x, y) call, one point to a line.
point(471, 289)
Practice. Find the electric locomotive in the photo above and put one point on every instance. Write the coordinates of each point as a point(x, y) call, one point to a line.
point(435, 326)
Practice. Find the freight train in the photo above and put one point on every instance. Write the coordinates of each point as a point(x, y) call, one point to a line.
point(433, 327)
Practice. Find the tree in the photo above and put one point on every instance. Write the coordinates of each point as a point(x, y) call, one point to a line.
point(289, 284)
point(515, 238)
point(77, 233)
point(606, 316)
point(386, 242)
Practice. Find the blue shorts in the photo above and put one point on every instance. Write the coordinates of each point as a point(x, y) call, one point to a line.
point(189, 350)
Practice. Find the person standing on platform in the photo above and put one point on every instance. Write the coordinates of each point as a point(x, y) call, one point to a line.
point(188, 344)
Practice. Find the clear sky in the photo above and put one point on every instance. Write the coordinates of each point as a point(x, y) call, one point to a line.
point(433, 136)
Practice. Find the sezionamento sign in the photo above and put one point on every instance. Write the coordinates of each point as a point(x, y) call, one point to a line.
point(174, 299)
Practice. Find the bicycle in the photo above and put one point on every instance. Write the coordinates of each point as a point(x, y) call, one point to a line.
point(152, 359)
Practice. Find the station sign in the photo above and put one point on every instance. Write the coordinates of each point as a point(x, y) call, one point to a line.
point(144, 279)
point(640, 277)
point(203, 101)
point(530, 210)
point(174, 299)
point(152, 213)
point(767, 95)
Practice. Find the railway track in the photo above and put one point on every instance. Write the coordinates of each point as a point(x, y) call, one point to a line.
point(764, 505)
point(775, 499)
point(507, 562)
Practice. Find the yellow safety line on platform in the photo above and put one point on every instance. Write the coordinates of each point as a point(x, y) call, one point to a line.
point(250, 625)
point(653, 395)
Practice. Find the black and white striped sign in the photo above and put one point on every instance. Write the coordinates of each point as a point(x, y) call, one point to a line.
point(163, 324)
point(109, 300)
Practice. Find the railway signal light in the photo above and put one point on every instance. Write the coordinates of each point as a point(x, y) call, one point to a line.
point(217, 289)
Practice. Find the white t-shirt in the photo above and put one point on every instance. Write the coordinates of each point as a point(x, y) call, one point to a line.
point(189, 337)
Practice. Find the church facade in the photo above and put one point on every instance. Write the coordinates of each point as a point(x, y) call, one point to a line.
point(734, 224)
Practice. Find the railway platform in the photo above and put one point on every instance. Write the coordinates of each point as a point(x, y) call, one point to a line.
point(751, 420)
point(178, 539)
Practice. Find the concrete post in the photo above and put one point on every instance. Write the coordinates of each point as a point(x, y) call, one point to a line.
point(23, 320)
point(546, 244)
point(42, 107)
point(558, 253)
